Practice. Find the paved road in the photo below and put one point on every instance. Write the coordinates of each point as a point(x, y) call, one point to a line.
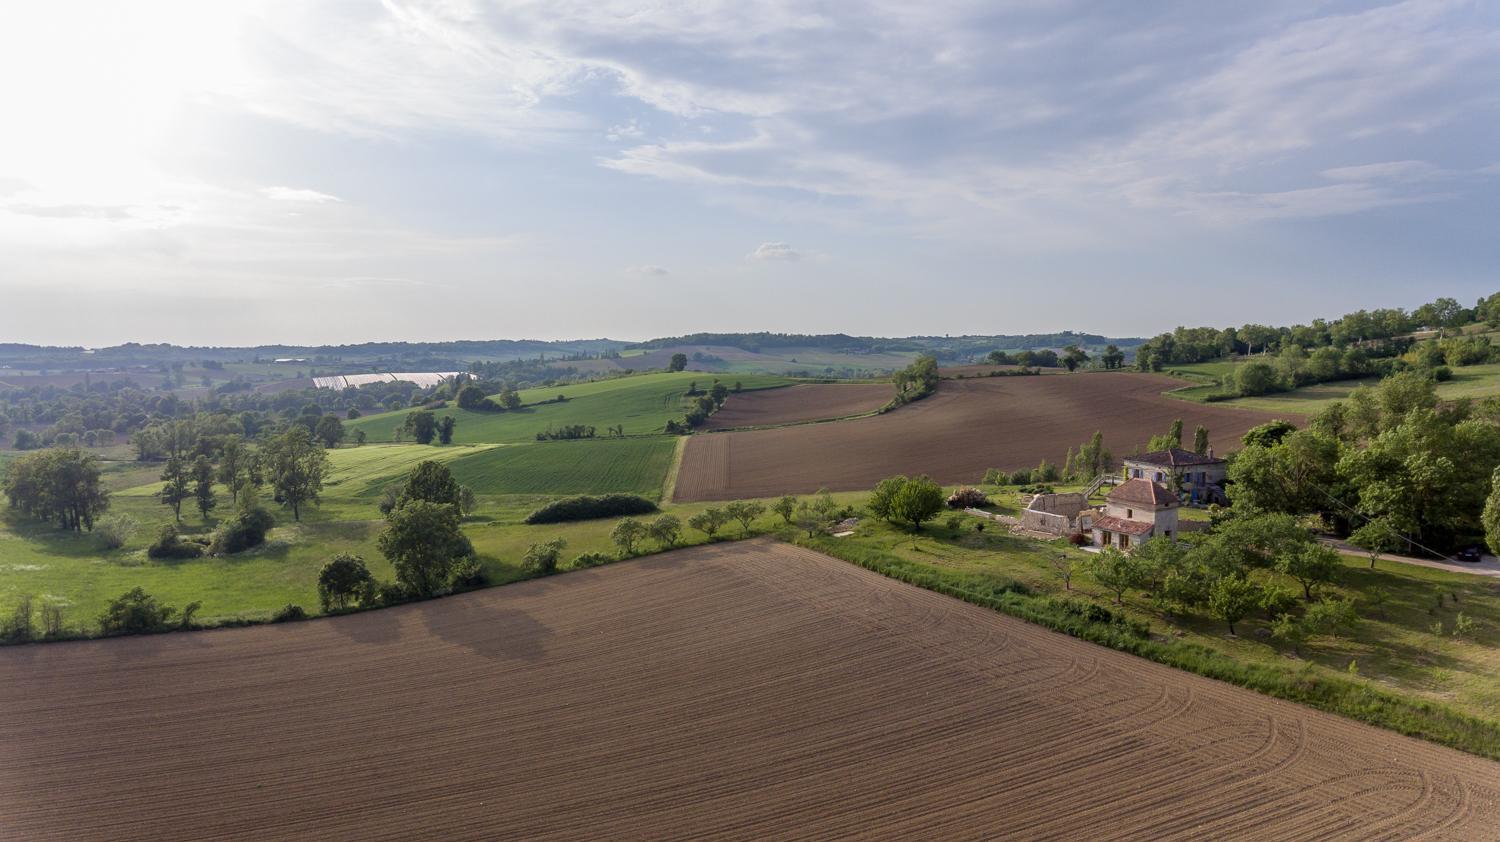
point(1486, 566)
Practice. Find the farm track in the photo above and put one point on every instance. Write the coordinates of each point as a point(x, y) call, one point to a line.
point(799, 403)
point(741, 691)
point(968, 426)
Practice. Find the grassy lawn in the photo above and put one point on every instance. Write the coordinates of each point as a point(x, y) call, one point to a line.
point(642, 403)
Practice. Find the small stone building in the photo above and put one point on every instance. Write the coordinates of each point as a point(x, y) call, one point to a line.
point(1200, 476)
point(1137, 510)
point(1056, 514)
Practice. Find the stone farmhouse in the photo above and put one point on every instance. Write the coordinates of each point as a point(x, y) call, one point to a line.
point(1199, 476)
point(1137, 510)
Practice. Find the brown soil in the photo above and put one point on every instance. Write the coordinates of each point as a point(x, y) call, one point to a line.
point(752, 690)
point(954, 435)
point(803, 402)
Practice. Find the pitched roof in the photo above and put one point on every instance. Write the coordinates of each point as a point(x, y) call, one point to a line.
point(1175, 458)
point(1119, 524)
point(1144, 492)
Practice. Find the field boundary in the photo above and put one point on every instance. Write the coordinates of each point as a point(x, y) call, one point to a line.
point(1430, 721)
point(669, 485)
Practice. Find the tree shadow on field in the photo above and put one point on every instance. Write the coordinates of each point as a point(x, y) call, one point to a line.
point(377, 626)
point(493, 630)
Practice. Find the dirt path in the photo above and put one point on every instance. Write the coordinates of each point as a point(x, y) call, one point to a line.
point(747, 691)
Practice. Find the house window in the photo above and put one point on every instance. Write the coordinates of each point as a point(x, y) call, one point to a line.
point(1107, 538)
point(1124, 542)
point(1158, 476)
point(1130, 514)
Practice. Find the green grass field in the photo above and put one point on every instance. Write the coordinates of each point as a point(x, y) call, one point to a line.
point(1475, 381)
point(642, 403)
point(597, 466)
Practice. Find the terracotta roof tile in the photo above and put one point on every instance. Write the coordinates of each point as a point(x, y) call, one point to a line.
point(1144, 492)
point(1119, 524)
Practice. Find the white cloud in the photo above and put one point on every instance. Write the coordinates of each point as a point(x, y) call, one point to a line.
point(774, 251)
point(297, 194)
point(646, 269)
point(1387, 171)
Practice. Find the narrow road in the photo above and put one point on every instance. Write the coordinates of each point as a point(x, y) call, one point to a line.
point(1486, 566)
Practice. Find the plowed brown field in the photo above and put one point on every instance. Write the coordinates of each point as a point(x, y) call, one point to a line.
point(954, 435)
point(803, 402)
point(752, 691)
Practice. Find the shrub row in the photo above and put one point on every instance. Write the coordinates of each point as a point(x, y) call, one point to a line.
point(588, 507)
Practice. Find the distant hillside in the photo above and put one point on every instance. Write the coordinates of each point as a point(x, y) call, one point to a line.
point(945, 347)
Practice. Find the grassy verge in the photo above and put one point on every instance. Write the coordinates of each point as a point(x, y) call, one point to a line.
point(1304, 684)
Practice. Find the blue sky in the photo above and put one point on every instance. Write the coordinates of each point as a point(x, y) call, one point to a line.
point(246, 172)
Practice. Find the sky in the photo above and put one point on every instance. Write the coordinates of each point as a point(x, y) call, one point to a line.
point(255, 171)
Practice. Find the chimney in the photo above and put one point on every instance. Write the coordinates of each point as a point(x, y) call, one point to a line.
point(1210, 451)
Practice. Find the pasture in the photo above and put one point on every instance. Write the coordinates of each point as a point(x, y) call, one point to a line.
point(966, 427)
point(752, 690)
point(594, 466)
point(642, 404)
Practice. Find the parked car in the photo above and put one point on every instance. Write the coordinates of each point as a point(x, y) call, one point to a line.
point(1470, 554)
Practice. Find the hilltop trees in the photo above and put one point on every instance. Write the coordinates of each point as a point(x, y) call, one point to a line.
point(917, 380)
point(1074, 356)
point(297, 466)
point(60, 485)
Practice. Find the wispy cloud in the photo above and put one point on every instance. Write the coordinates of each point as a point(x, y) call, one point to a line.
point(774, 251)
point(297, 194)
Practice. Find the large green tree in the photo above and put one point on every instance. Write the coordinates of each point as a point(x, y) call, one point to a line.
point(919, 500)
point(423, 542)
point(431, 482)
point(60, 485)
point(297, 466)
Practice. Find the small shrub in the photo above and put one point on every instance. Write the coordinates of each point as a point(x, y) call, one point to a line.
point(469, 574)
point(392, 593)
point(588, 507)
point(1079, 539)
point(591, 560)
point(244, 531)
point(1021, 477)
point(288, 614)
point(169, 545)
point(541, 559)
point(1035, 488)
point(954, 522)
point(1442, 374)
point(135, 612)
point(968, 498)
point(115, 531)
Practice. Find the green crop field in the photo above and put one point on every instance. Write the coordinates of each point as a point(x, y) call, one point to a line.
point(597, 466)
point(642, 403)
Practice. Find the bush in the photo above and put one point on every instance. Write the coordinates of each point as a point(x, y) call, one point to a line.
point(591, 560)
point(169, 545)
point(469, 574)
point(288, 614)
point(135, 612)
point(114, 532)
point(541, 559)
point(968, 498)
point(344, 581)
point(1442, 374)
point(1079, 539)
point(1035, 489)
point(1021, 477)
point(586, 507)
point(242, 532)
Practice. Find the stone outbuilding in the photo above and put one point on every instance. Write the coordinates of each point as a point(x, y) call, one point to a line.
point(1135, 511)
point(1200, 476)
point(1057, 514)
